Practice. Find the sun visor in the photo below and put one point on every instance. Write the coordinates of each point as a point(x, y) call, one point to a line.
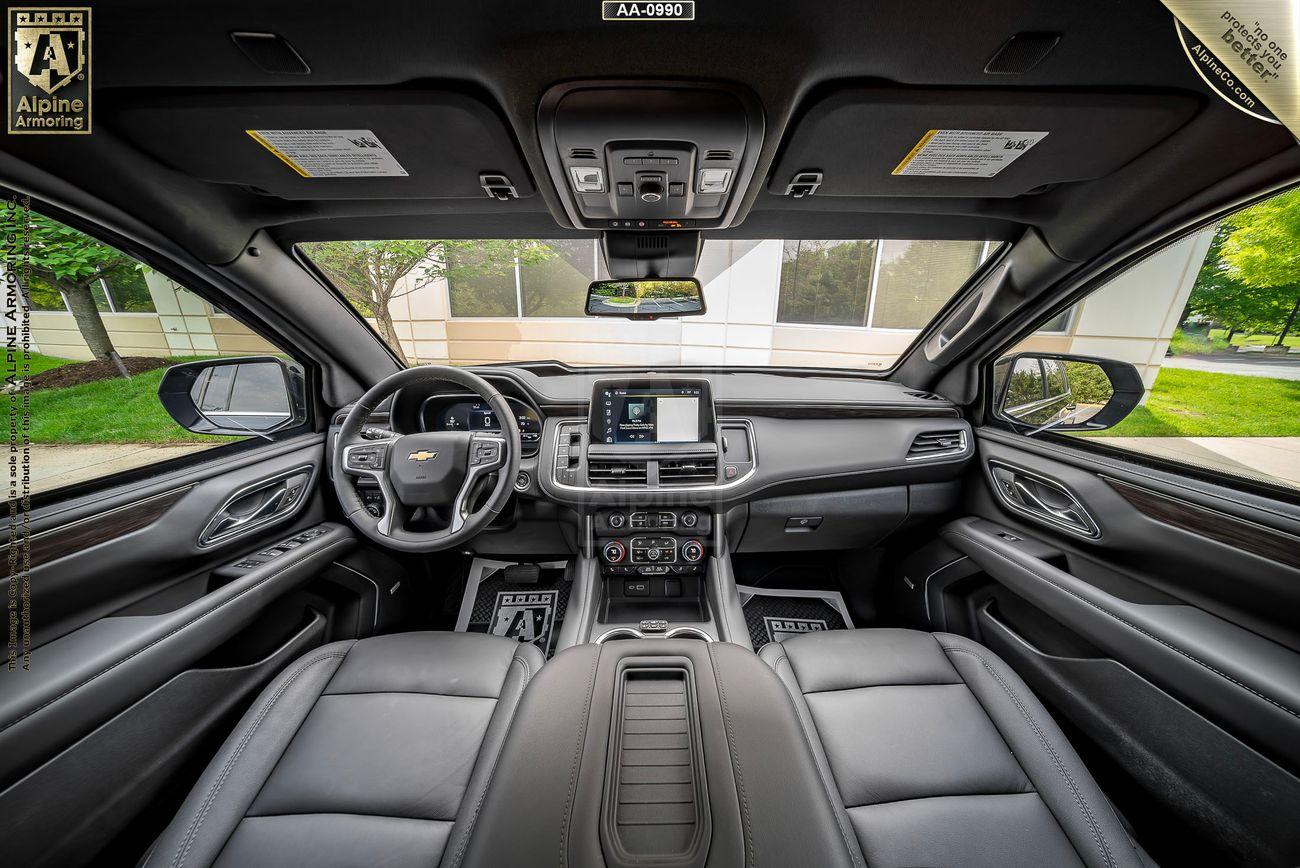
point(333, 144)
point(920, 142)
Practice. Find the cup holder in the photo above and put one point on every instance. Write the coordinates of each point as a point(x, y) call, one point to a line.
point(634, 633)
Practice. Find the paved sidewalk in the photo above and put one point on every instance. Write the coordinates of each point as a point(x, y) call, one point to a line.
point(1280, 366)
point(57, 466)
point(1271, 458)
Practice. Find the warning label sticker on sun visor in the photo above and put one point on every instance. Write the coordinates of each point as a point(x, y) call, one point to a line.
point(966, 153)
point(330, 153)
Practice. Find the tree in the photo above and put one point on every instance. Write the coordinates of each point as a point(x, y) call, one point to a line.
point(370, 273)
point(1262, 251)
point(1218, 295)
point(72, 262)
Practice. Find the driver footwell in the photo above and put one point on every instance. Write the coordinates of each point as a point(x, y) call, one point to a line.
point(524, 602)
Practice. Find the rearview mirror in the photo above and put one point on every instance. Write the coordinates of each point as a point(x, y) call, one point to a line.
point(254, 395)
point(645, 299)
point(1064, 393)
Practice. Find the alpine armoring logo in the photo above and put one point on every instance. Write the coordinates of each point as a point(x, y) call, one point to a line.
point(49, 75)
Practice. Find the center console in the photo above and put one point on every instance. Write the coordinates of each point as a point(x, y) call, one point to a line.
point(646, 467)
point(652, 563)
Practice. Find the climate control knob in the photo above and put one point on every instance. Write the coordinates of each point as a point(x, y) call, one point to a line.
point(690, 519)
point(613, 552)
point(693, 551)
point(617, 520)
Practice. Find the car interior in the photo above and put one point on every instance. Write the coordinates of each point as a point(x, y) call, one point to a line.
point(542, 612)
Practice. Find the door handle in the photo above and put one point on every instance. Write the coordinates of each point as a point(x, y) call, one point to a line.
point(1042, 498)
point(225, 523)
point(256, 505)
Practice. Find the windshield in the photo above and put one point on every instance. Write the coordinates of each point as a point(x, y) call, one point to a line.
point(823, 304)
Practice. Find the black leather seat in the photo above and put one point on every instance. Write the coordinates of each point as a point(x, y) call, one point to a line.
point(375, 752)
point(935, 753)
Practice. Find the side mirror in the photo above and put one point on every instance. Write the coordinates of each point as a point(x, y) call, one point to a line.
point(645, 299)
point(254, 395)
point(1064, 393)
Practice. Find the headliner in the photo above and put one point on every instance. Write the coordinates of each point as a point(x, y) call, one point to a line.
point(509, 54)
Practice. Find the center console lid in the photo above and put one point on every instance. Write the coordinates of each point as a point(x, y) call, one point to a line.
point(656, 752)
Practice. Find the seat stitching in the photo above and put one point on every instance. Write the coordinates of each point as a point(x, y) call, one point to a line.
point(478, 806)
point(1098, 837)
point(179, 859)
point(164, 637)
point(750, 854)
point(577, 757)
point(873, 686)
point(1123, 620)
point(831, 792)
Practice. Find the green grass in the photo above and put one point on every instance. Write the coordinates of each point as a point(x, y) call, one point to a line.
point(1193, 342)
point(108, 411)
point(1202, 404)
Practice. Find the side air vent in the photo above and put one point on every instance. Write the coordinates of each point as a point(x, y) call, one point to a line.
point(616, 473)
point(688, 471)
point(719, 154)
point(937, 444)
point(582, 153)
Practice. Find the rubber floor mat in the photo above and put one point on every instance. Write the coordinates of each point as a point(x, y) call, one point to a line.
point(774, 614)
point(531, 612)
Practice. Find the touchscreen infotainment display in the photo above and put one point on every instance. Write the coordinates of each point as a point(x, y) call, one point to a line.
point(670, 413)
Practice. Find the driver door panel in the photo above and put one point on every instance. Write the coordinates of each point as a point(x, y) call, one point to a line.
point(143, 639)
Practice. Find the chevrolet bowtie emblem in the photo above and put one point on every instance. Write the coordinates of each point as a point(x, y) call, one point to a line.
point(422, 455)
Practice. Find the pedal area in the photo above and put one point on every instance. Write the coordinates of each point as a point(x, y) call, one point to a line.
point(524, 602)
point(775, 614)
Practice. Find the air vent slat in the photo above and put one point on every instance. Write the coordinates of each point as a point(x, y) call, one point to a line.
point(582, 153)
point(935, 444)
point(688, 471)
point(616, 473)
point(719, 154)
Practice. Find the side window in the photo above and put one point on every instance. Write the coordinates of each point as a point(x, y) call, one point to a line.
point(104, 329)
point(1212, 324)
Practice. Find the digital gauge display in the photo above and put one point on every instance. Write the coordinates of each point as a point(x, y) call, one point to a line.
point(479, 416)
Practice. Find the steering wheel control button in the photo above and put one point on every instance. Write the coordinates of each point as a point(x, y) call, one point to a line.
point(614, 552)
point(366, 458)
point(693, 551)
point(486, 452)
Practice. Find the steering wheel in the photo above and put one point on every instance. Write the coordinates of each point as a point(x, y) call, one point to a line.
point(439, 471)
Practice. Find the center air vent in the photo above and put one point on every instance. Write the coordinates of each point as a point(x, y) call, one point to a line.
point(688, 471)
point(937, 444)
point(582, 153)
point(607, 473)
point(719, 154)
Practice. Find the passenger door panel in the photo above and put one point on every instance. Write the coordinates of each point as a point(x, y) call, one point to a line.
point(1169, 635)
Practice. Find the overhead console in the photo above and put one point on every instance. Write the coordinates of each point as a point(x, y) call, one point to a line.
point(650, 155)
